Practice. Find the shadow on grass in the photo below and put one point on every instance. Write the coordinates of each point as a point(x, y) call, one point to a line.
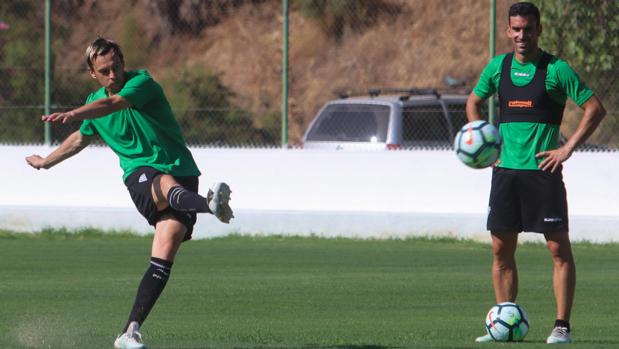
point(369, 346)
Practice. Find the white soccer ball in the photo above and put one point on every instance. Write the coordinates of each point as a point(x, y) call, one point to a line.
point(507, 322)
point(478, 144)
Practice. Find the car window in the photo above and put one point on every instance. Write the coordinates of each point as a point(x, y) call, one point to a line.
point(424, 124)
point(351, 123)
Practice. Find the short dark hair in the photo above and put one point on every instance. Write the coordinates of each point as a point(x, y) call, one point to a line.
point(102, 46)
point(524, 9)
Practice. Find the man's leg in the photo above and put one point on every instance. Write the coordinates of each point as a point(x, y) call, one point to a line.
point(167, 191)
point(504, 270)
point(169, 234)
point(563, 283)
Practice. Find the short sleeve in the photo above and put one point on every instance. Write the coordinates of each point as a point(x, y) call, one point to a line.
point(571, 83)
point(87, 129)
point(139, 89)
point(489, 79)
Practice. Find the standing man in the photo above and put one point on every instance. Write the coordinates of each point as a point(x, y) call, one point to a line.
point(132, 115)
point(527, 192)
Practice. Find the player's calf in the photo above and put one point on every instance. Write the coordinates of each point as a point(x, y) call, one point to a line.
point(185, 200)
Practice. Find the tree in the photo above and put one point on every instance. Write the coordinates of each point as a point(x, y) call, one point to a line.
point(586, 33)
point(21, 66)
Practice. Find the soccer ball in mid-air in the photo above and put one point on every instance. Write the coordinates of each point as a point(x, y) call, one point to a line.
point(478, 144)
point(507, 322)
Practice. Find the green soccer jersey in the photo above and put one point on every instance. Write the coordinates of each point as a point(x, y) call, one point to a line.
point(145, 134)
point(522, 140)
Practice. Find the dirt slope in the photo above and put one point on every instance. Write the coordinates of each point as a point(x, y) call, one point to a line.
point(416, 47)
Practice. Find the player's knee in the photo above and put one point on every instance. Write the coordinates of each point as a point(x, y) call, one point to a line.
point(161, 185)
point(561, 257)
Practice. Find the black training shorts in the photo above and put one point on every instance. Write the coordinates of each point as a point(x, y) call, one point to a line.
point(527, 200)
point(139, 184)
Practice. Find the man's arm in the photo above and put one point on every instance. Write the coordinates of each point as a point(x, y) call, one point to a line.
point(594, 112)
point(93, 110)
point(473, 107)
point(69, 147)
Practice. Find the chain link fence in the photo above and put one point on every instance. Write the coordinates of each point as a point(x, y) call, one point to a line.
point(220, 61)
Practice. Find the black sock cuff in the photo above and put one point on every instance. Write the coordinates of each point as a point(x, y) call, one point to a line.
point(161, 263)
point(562, 323)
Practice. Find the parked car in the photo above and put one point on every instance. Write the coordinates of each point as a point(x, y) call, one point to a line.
point(388, 119)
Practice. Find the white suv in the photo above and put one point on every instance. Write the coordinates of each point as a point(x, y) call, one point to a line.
point(388, 119)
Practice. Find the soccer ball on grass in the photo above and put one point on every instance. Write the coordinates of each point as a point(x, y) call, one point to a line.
point(507, 322)
point(478, 144)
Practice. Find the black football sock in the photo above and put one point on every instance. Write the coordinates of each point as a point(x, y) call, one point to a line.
point(562, 323)
point(184, 200)
point(150, 288)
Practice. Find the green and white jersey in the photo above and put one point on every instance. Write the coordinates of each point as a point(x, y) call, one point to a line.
point(522, 140)
point(146, 134)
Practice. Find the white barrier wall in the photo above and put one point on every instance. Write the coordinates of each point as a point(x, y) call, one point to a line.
point(279, 191)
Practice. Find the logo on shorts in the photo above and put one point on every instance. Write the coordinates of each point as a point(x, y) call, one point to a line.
point(552, 219)
point(142, 178)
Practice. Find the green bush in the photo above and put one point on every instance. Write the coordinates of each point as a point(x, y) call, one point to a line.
point(202, 107)
point(586, 33)
point(21, 66)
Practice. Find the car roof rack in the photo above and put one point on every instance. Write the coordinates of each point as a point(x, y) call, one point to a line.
point(405, 93)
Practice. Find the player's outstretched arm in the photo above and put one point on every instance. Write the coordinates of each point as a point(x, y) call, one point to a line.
point(69, 147)
point(93, 110)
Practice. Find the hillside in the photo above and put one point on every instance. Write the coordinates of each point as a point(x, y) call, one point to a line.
point(414, 46)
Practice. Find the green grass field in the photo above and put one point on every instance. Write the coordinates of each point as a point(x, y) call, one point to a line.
point(61, 290)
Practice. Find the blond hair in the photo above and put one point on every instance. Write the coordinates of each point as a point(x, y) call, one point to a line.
point(100, 47)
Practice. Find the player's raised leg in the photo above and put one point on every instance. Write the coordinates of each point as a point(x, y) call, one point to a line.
point(168, 192)
point(564, 284)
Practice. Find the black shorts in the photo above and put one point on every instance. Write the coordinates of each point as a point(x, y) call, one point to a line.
point(527, 200)
point(139, 184)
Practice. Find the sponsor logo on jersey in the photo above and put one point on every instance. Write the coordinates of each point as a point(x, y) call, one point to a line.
point(520, 104)
point(521, 74)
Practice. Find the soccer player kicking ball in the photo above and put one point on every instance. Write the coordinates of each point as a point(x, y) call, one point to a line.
point(132, 115)
point(527, 191)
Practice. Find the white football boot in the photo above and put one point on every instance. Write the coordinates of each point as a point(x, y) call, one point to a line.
point(484, 339)
point(132, 339)
point(218, 197)
point(559, 335)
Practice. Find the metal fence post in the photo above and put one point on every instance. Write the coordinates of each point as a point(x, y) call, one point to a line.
point(492, 49)
point(285, 77)
point(48, 73)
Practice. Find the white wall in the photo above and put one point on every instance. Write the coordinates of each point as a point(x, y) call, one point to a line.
point(278, 191)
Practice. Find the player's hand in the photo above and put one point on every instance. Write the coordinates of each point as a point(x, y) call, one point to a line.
point(553, 158)
point(63, 117)
point(36, 161)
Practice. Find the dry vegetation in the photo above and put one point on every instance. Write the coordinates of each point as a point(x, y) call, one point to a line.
point(415, 47)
